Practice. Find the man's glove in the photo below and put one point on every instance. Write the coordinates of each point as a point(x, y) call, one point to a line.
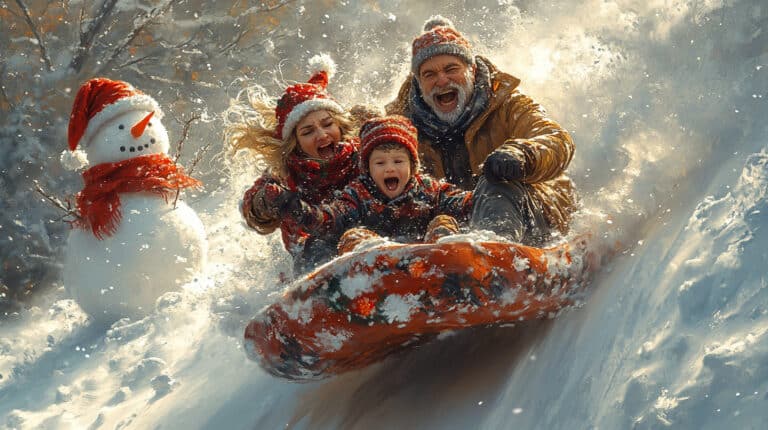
point(503, 166)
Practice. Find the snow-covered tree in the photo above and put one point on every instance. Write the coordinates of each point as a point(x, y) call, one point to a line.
point(184, 53)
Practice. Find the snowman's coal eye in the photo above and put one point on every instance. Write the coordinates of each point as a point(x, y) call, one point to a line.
point(121, 126)
point(149, 124)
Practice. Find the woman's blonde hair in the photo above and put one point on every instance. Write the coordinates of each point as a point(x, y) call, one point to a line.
point(250, 122)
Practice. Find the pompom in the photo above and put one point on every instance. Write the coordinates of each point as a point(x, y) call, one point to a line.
point(361, 113)
point(322, 63)
point(73, 160)
point(437, 21)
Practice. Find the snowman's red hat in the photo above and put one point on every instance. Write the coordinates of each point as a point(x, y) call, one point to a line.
point(100, 100)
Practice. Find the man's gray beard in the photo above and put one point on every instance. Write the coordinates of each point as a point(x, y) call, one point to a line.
point(463, 93)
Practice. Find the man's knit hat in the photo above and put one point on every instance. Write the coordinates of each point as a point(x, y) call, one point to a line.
point(302, 98)
point(393, 128)
point(440, 37)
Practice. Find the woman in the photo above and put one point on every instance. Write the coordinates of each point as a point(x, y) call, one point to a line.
point(307, 143)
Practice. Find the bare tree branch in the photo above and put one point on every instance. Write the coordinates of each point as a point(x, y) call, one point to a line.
point(81, 20)
point(255, 10)
point(155, 78)
point(176, 197)
point(57, 202)
point(195, 160)
point(184, 135)
point(180, 145)
point(135, 61)
point(39, 38)
point(165, 45)
point(2, 87)
point(14, 13)
point(260, 42)
point(87, 36)
point(274, 7)
point(45, 9)
point(198, 156)
point(137, 29)
point(234, 42)
point(189, 41)
point(144, 75)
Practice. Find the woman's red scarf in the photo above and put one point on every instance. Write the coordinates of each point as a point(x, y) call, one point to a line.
point(99, 201)
point(317, 179)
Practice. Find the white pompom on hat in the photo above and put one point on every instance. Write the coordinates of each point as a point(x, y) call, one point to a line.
point(73, 160)
point(440, 38)
point(437, 21)
point(322, 63)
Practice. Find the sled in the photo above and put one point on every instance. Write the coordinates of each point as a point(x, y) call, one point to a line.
point(364, 306)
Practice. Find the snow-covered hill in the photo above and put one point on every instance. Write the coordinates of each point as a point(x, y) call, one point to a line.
point(667, 104)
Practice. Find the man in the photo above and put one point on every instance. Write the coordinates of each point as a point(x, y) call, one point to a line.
point(479, 131)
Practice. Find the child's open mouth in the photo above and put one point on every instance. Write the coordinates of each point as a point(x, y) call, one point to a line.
point(391, 183)
point(326, 151)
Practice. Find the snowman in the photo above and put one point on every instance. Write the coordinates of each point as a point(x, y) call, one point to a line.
point(133, 241)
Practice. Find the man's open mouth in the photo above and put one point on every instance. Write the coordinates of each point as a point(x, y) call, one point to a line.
point(391, 183)
point(447, 99)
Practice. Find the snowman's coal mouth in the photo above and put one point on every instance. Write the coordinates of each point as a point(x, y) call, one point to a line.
point(136, 148)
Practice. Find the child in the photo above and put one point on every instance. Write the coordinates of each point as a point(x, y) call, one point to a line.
point(390, 198)
point(307, 142)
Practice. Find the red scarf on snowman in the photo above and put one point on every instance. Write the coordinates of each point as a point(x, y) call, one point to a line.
point(99, 201)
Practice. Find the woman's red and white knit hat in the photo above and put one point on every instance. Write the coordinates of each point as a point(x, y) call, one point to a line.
point(393, 128)
point(440, 37)
point(302, 98)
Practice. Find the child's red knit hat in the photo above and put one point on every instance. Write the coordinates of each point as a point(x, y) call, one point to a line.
point(393, 128)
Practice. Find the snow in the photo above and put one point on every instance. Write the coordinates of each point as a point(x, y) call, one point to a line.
point(332, 341)
point(355, 285)
point(520, 264)
point(399, 308)
point(671, 334)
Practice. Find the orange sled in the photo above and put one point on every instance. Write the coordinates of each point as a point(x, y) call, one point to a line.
point(363, 306)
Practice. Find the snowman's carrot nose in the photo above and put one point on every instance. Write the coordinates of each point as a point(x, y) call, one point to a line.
point(138, 129)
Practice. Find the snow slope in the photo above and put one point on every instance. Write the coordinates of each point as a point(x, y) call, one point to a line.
point(666, 102)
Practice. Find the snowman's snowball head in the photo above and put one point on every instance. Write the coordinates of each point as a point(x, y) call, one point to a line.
point(113, 141)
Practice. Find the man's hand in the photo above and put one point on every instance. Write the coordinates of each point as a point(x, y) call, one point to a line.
point(503, 166)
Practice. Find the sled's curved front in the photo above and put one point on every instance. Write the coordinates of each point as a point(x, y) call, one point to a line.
point(366, 305)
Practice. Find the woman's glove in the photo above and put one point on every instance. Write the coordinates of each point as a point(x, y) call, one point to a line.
point(266, 201)
point(290, 205)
